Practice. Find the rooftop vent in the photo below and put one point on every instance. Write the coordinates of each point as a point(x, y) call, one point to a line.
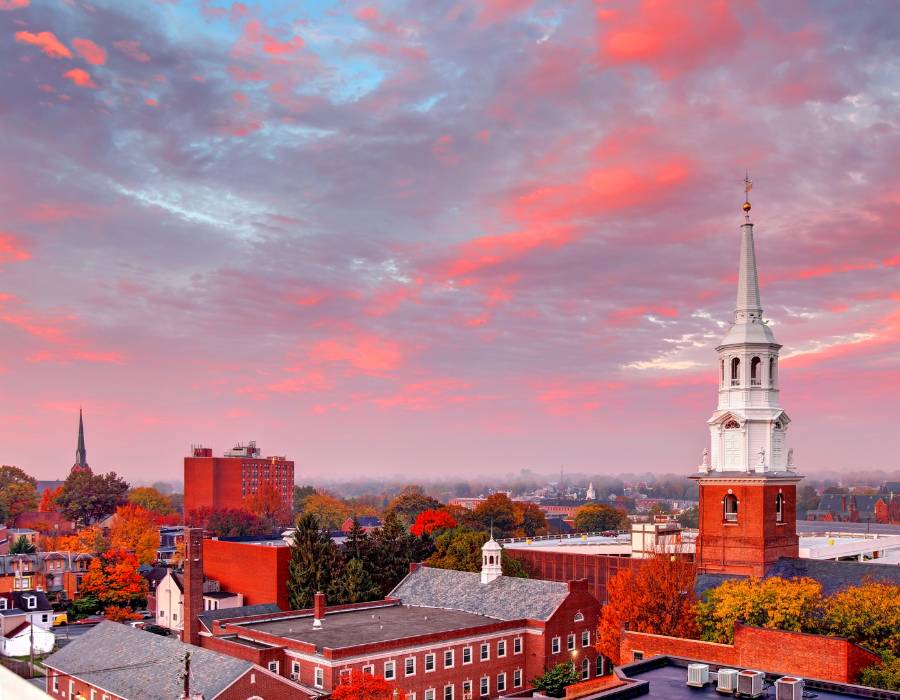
point(726, 680)
point(750, 683)
point(789, 688)
point(697, 675)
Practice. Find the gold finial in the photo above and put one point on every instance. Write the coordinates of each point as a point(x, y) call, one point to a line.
point(748, 185)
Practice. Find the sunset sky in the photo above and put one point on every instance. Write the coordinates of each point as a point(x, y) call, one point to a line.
point(442, 237)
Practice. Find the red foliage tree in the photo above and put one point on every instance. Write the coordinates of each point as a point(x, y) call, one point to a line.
point(362, 686)
point(430, 520)
point(225, 522)
point(114, 579)
point(117, 613)
point(268, 505)
point(48, 500)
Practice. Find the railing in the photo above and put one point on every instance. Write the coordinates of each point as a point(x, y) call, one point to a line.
point(730, 517)
point(735, 382)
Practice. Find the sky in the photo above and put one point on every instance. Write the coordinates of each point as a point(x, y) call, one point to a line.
point(443, 238)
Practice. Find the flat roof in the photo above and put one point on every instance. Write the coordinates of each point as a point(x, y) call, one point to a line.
point(351, 628)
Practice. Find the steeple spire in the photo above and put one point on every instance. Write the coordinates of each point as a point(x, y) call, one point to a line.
point(81, 463)
point(748, 306)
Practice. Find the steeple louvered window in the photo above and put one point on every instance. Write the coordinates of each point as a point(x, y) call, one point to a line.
point(735, 371)
point(755, 372)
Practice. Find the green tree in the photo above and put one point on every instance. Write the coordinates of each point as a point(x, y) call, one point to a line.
point(354, 584)
point(807, 499)
point(497, 511)
point(21, 546)
point(884, 675)
point(555, 681)
point(17, 492)
point(315, 563)
point(690, 518)
point(393, 548)
point(151, 499)
point(599, 517)
point(410, 502)
point(460, 549)
point(87, 497)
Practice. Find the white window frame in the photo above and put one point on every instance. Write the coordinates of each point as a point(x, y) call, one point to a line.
point(585, 638)
point(451, 689)
point(585, 669)
point(579, 617)
point(432, 657)
point(406, 666)
point(517, 645)
point(271, 664)
point(55, 682)
point(501, 648)
point(501, 682)
point(517, 678)
point(429, 694)
point(392, 665)
point(467, 650)
point(555, 645)
point(451, 654)
point(484, 686)
point(318, 677)
point(467, 689)
point(570, 641)
point(369, 669)
point(2, 603)
point(484, 652)
point(410, 696)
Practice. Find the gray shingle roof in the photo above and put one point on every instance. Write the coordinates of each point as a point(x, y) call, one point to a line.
point(835, 575)
point(505, 598)
point(209, 616)
point(137, 665)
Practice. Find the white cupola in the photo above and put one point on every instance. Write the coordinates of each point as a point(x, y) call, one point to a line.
point(491, 554)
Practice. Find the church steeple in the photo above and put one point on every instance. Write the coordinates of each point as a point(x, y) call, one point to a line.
point(81, 464)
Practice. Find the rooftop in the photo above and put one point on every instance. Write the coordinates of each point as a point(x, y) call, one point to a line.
point(351, 628)
point(209, 616)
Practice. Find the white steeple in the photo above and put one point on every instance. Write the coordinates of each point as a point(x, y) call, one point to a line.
point(491, 554)
point(747, 430)
point(591, 495)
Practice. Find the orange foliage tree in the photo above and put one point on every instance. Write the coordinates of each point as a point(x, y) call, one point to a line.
point(113, 579)
point(48, 500)
point(118, 613)
point(430, 520)
point(134, 529)
point(90, 539)
point(268, 505)
point(658, 598)
point(363, 686)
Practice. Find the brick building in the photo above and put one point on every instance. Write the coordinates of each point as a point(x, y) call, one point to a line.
point(58, 574)
point(261, 576)
point(224, 482)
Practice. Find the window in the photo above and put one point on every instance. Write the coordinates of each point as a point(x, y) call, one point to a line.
point(410, 696)
point(570, 641)
point(517, 645)
point(585, 669)
point(579, 617)
point(501, 682)
point(501, 648)
point(722, 372)
point(637, 656)
point(755, 372)
point(735, 371)
point(732, 425)
point(93, 694)
point(390, 670)
point(2, 603)
point(771, 371)
point(429, 663)
point(71, 689)
point(586, 638)
point(429, 694)
point(779, 508)
point(344, 676)
point(319, 677)
point(273, 666)
point(467, 690)
point(485, 686)
point(30, 601)
point(448, 692)
point(448, 658)
point(517, 678)
point(554, 645)
point(467, 655)
point(731, 508)
point(601, 667)
point(409, 666)
point(55, 683)
point(368, 670)
point(485, 652)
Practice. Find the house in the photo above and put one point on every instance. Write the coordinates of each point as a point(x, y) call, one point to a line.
point(169, 599)
point(25, 637)
point(854, 508)
point(366, 522)
point(222, 600)
point(115, 661)
point(47, 523)
point(59, 574)
point(33, 604)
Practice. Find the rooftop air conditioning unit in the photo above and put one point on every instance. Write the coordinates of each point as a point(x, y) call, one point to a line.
point(750, 683)
point(698, 675)
point(293, 676)
point(789, 688)
point(726, 680)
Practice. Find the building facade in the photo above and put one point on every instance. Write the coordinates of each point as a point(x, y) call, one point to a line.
point(747, 480)
point(224, 482)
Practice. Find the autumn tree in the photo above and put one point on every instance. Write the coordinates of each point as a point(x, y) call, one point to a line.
point(363, 686)
point(656, 597)
point(152, 500)
point(598, 517)
point(411, 501)
point(226, 522)
point(329, 512)
point(48, 500)
point(120, 613)
point(268, 505)
point(433, 519)
point(530, 520)
point(883, 675)
point(868, 615)
point(460, 549)
point(17, 492)
point(89, 539)
point(776, 603)
point(134, 530)
point(113, 579)
point(301, 493)
point(497, 511)
point(87, 497)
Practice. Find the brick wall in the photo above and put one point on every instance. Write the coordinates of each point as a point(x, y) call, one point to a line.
point(773, 651)
point(566, 566)
point(259, 684)
point(68, 687)
point(257, 571)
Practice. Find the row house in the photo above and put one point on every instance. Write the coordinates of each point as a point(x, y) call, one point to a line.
point(58, 574)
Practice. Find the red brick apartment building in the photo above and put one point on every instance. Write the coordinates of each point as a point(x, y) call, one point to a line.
point(224, 482)
point(261, 576)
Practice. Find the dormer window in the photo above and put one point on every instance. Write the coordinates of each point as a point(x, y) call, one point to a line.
point(735, 371)
point(30, 601)
point(755, 372)
point(2, 603)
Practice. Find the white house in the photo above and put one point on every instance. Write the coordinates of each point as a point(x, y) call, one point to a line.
point(19, 640)
point(170, 600)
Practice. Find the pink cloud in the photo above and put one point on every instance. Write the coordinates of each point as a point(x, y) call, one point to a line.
point(89, 51)
point(46, 42)
point(366, 353)
point(14, 4)
point(12, 249)
point(492, 11)
point(132, 49)
point(255, 33)
point(80, 77)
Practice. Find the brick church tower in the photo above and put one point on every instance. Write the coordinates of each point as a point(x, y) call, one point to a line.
point(748, 485)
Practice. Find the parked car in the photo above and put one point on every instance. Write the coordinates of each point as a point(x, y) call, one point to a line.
point(89, 620)
point(60, 619)
point(145, 614)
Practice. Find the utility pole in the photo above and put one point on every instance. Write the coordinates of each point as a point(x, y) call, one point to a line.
point(31, 644)
point(186, 675)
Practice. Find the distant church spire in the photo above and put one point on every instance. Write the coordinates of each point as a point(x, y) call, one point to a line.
point(81, 464)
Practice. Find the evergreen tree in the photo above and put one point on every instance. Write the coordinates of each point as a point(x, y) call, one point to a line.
point(21, 546)
point(354, 583)
point(315, 563)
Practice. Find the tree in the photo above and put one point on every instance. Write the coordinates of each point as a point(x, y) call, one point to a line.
point(497, 511)
point(134, 530)
point(113, 579)
point(657, 597)
point(776, 603)
point(530, 520)
point(868, 615)
point(460, 549)
point(363, 686)
point(151, 499)
point(599, 518)
point(48, 500)
point(90, 539)
point(330, 512)
point(807, 499)
point(410, 502)
point(314, 560)
point(87, 497)
point(120, 613)
point(690, 518)
point(21, 545)
point(17, 492)
point(301, 493)
point(354, 584)
point(226, 522)
point(555, 681)
point(268, 505)
point(884, 675)
point(433, 519)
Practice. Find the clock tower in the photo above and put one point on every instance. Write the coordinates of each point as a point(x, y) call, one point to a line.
point(747, 481)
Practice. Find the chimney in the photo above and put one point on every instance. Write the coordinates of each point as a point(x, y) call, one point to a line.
point(193, 585)
point(579, 584)
point(414, 566)
point(318, 610)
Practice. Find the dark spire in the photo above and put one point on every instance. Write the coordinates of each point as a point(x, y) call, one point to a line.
point(81, 452)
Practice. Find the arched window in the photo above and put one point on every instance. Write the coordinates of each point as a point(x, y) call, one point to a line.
point(755, 372)
point(585, 668)
point(731, 508)
point(735, 371)
point(779, 508)
point(771, 371)
point(732, 424)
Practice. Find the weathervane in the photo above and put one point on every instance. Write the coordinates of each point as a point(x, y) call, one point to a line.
point(748, 185)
